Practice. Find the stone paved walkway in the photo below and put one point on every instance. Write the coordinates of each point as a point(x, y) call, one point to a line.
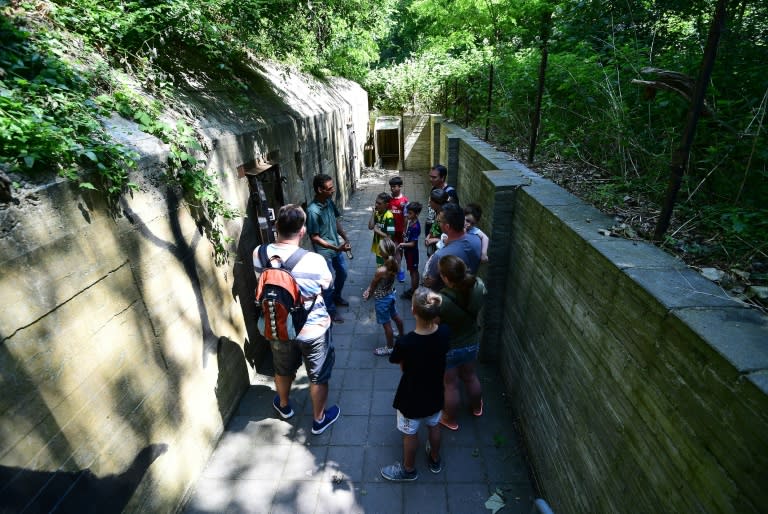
point(266, 464)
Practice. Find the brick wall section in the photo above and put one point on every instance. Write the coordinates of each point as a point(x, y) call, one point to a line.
point(452, 160)
point(640, 386)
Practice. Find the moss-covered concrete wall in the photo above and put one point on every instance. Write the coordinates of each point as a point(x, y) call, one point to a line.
point(125, 347)
point(640, 386)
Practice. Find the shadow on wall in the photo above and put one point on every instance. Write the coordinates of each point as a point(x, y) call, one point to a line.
point(244, 289)
point(233, 375)
point(232, 371)
point(76, 491)
point(183, 251)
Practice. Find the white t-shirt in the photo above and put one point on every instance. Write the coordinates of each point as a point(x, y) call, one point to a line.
point(312, 275)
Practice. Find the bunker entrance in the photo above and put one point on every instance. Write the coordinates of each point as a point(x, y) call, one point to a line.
point(387, 142)
point(265, 188)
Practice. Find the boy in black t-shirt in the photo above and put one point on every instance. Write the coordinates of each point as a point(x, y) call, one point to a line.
point(419, 397)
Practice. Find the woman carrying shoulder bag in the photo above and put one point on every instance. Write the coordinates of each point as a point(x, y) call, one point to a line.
point(463, 297)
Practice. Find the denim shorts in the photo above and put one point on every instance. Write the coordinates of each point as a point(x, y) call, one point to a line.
point(410, 426)
point(318, 356)
point(460, 356)
point(386, 309)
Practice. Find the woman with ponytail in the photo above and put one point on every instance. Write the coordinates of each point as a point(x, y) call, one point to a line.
point(383, 290)
point(463, 297)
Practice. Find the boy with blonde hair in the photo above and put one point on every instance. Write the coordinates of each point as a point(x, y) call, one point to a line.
point(419, 398)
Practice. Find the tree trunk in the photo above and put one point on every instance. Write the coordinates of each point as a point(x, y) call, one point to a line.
point(455, 98)
point(680, 157)
point(546, 20)
point(490, 98)
point(466, 102)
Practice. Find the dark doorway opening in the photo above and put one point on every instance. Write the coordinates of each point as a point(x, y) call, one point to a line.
point(387, 145)
point(265, 188)
point(265, 197)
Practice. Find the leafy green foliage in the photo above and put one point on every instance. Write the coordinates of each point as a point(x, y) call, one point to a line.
point(735, 235)
point(48, 121)
point(337, 36)
point(52, 110)
point(52, 116)
point(593, 112)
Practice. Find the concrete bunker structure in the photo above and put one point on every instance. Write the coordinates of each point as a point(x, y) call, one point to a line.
point(125, 348)
point(388, 139)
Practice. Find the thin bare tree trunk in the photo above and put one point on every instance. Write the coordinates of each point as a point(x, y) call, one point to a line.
point(681, 156)
point(455, 98)
point(546, 20)
point(490, 102)
point(466, 102)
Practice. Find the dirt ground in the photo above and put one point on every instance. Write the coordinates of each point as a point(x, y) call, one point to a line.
point(636, 218)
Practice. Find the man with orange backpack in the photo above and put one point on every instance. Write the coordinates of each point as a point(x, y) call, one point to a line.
point(293, 315)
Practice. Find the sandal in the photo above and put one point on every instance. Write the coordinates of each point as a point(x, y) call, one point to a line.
point(382, 351)
point(447, 425)
point(478, 413)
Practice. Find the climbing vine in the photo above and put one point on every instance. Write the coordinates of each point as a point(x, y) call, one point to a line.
point(51, 120)
point(185, 164)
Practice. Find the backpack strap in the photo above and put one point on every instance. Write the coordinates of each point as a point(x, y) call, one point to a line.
point(263, 257)
point(292, 261)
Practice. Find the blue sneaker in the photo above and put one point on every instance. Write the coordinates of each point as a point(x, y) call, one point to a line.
point(397, 473)
point(329, 418)
point(285, 412)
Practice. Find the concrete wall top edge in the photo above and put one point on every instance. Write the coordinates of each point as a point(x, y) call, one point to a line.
point(550, 194)
point(680, 288)
point(628, 253)
point(760, 380)
point(738, 333)
point(503, 180)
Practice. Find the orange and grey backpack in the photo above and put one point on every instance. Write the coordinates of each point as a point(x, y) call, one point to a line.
point(278, 299)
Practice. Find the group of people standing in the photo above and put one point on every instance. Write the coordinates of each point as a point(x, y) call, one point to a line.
point(439, 354)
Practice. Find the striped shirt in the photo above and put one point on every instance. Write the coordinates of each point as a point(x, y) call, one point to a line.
point(312, 275)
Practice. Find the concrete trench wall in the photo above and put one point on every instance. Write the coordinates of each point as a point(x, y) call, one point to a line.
point(417, 142)
point(123, 344)
point(641, 387)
